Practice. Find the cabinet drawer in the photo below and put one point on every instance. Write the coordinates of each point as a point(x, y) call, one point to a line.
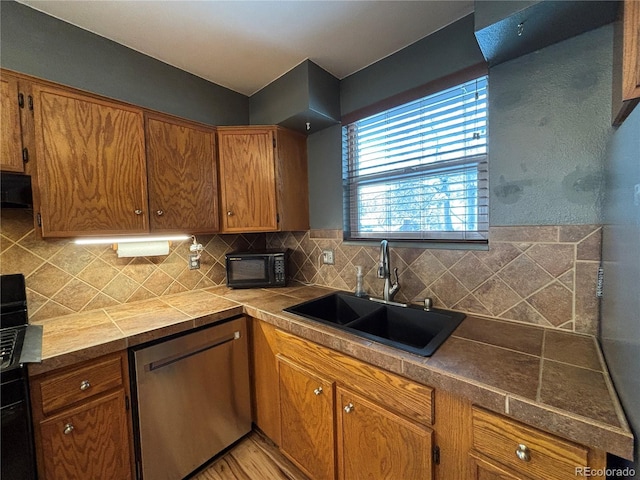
point(83, 382)
point(543, 456)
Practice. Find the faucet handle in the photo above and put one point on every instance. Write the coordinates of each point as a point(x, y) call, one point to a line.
point(395, 272)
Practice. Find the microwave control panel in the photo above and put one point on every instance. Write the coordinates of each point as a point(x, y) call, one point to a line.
point(279, 270)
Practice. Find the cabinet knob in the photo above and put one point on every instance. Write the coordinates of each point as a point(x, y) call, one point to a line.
point(349, 408)
point(137, 211)
point(68, 428)
point(318, 391)
point(85, 385)
point(229, 213)
point(159, 212)
point(523, 453)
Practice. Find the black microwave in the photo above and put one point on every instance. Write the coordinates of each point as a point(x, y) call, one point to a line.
point(260, 268)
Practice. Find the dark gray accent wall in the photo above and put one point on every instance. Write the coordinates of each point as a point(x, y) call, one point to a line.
point(444, 52)
point(37, 44)
point(549, 123)
point(620, 307)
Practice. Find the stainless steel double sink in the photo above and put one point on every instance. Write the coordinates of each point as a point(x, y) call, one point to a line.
point(409, 328)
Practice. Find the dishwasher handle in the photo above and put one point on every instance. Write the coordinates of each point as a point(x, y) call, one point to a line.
point(182, 355)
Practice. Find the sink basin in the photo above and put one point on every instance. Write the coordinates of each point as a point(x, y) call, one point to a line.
point(409, 328)
point(336, 308)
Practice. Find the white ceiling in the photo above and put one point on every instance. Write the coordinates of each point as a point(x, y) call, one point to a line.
point(245, 45)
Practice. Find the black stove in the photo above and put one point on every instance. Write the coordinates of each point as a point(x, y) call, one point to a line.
point(18, 460)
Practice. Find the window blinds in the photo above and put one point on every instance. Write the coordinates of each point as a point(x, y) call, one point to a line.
point(419, 171)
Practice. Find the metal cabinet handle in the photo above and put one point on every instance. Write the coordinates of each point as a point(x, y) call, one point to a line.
point(229, 213)
point(159, 212)
point(68, 428)
point(523, 453)
point(318, 391)
point(349, 408)
point(137, 211)
point(85, 385)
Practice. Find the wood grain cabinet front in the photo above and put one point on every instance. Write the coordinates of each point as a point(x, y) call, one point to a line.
point(374, 442)
point(263, 179)
point(338, 417)
point(182, 175)
point(11, 141)
point(91, 167)
point(307, 417)
point(626, 61)
point(504, 447)
point(81, 421)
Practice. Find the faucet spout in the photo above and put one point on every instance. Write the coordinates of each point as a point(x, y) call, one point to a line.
point(384, 271)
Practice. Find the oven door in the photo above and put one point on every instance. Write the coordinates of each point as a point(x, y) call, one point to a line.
point(18, 459)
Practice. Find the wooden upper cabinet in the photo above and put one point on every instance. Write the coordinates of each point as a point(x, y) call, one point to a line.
point(181, 169)
point(626, 64)
point(10, 129)
point(263, 179)
point(247, 179)
point(292, 180)
point(91, 165)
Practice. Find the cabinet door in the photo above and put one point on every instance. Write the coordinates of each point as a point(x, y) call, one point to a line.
point(247, 180)
point(306, 412)
point(292, 181)
point(181, 169)
point(375, 443)
point(91, 166)
point(10, 131)
point(90, 441)
point(483, 470)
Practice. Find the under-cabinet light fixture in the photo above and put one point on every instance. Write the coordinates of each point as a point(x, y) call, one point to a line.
point(108, 240)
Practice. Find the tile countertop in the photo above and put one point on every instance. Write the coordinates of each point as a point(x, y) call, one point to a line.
point(553, 380)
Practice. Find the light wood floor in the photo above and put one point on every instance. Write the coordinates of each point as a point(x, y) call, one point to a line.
point(254, 458)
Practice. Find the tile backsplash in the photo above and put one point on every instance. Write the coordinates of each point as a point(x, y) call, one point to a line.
point(544, 275)
point(64, 278)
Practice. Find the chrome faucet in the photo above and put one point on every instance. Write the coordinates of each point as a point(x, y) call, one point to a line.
point(384, 271)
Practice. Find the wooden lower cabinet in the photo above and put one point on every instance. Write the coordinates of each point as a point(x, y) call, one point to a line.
point(87, 441)
point(338, 417)
point(484, 470)
point(512, 450)
point(374, 442)
point(82, 421)
point(307, 419)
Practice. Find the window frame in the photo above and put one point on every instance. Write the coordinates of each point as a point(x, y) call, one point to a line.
point(456, 166)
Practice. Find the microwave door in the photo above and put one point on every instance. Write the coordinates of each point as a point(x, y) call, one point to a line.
point(248, 271)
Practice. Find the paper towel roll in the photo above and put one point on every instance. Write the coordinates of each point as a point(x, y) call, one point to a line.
point(143, 249)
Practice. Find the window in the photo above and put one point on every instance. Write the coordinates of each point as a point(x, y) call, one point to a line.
point(419, 171)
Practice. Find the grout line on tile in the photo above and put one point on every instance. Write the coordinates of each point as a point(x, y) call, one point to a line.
point(496, 346)
point(539, 389)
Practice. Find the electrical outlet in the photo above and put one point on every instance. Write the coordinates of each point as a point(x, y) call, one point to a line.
point(327, 256)
point(194, 261)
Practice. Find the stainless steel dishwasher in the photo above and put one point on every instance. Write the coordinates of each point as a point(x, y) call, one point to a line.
point(192, 399)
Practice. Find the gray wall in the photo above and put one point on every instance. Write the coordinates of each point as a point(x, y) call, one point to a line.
point(446, 51)
point(620, 308)
point(39, 45)
point(549, 123)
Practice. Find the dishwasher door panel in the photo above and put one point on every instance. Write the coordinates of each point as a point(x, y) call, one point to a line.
point(193, 398)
